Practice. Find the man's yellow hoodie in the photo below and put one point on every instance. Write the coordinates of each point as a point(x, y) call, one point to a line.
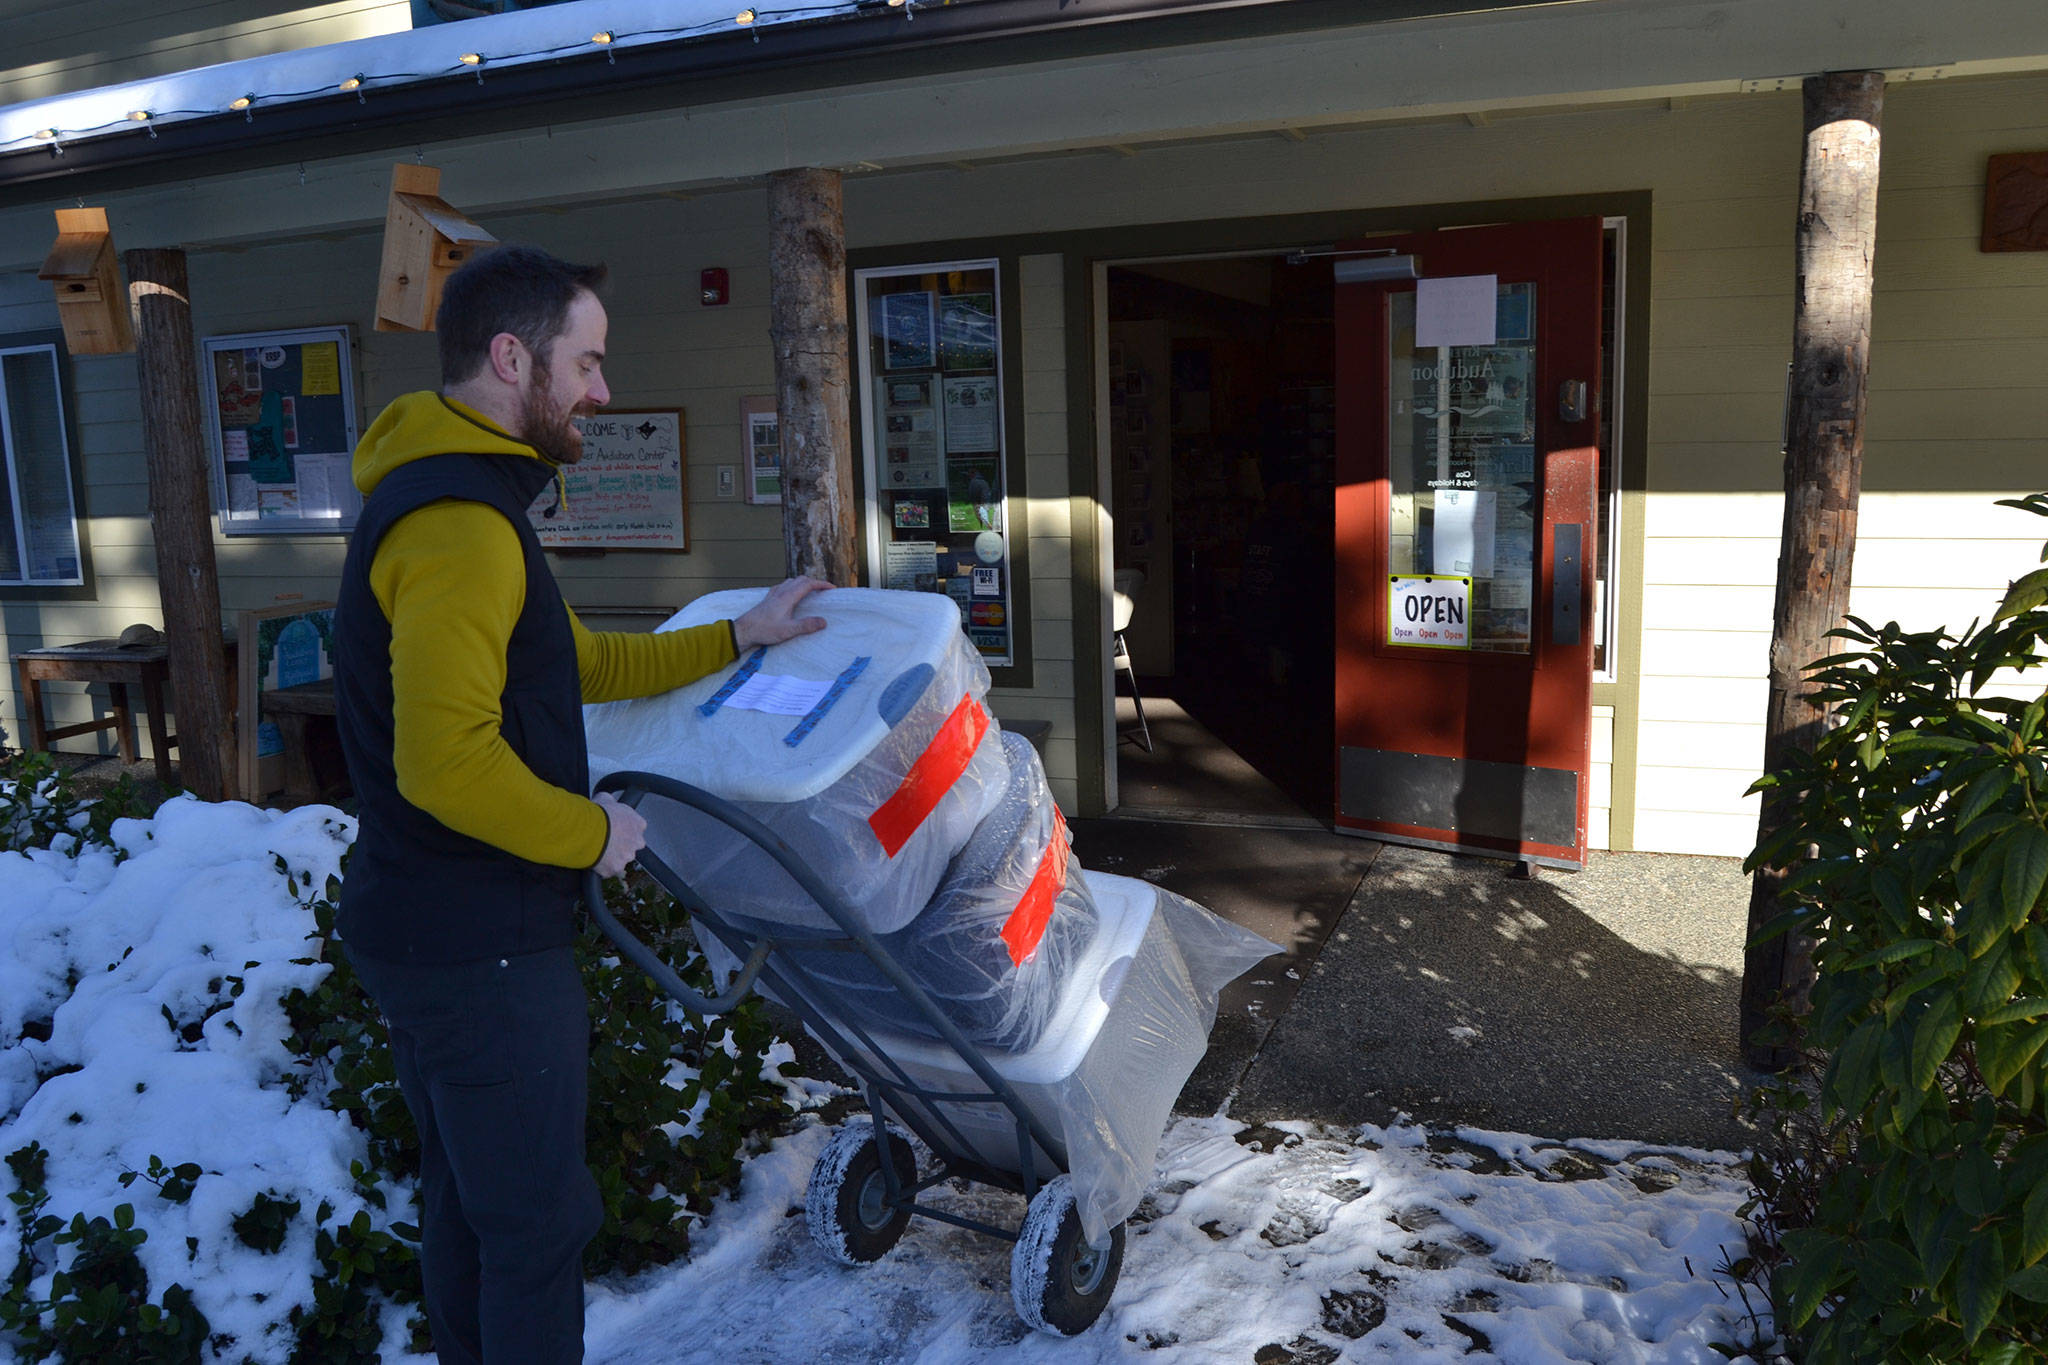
point(451, 580)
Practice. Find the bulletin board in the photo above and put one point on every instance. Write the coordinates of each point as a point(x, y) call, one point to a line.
point(936, 445)
point(625, 493)
point(281, 422)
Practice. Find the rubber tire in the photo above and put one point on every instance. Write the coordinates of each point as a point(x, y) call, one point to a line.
point(848, 1174)
point(1057, 1283)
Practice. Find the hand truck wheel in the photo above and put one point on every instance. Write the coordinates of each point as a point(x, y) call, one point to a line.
point(846, 1205)
point(1059, 1283)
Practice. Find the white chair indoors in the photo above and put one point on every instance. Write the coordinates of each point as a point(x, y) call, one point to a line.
point(1127, 583)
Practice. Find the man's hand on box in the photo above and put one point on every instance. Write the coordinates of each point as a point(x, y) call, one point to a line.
point(774, 619)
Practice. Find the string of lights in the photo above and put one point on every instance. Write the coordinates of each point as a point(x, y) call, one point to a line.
point(362, 83)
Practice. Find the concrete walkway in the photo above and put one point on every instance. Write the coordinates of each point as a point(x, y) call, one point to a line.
point(1596, 1004)
point(1601, 1003)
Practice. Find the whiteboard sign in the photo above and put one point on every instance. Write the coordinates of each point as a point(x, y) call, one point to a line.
point(626, 493)
point(1429, 609)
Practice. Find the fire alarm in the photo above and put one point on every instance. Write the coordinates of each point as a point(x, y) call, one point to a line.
point(715, 286)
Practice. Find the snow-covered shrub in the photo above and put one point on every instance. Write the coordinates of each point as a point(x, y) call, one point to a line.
point(1912, 1222)
point(40, 809)
point(207, 1155)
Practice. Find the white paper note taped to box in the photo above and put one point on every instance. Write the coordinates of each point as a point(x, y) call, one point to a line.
point(780, 695)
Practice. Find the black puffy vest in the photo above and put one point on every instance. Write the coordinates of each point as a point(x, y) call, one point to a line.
point(417, 891)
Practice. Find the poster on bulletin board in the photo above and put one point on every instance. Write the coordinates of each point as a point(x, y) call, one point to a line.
point(761, 449)
point(625, 493)
point(281, 424)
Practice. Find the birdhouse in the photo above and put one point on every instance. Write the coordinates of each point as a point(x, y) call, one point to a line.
point(425, 241)
point(89, 298)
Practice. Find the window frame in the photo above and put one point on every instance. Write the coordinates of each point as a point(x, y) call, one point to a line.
point(81, 587)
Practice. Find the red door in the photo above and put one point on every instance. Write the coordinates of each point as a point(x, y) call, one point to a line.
point(1466, 481)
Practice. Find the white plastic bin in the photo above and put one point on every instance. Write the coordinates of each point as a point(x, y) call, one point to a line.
point(1006, 927)
point(1132, 1021)
point(876, 785)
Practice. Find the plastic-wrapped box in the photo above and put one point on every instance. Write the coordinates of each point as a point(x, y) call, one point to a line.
point(867, 746)
point(1131, 1022)
point(998, 939)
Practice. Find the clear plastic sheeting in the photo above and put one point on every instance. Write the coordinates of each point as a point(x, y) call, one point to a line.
point(867, 746)
point(1131, 1021)
point(999, 938)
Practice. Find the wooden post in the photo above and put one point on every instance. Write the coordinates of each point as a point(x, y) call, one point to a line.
point(180, 518)
point(807, 305)
point(1837, 243)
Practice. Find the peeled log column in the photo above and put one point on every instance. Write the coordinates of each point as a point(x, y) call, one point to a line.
point(807, 304)
point(1837, 245)
point(180, 520)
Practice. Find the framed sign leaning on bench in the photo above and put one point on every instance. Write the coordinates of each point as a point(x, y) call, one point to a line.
point(277, 648)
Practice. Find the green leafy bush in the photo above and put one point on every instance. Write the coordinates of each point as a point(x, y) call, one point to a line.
point(1911, 1222)
point(39, 808)
point(649, 1175)
point(98, 1308)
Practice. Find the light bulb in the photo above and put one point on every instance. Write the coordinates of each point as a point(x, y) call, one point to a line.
point(471, 59)
point(744, 17)
point(138, 115)
point(353, 82)
point(602, 38)
point(243, 103)
point(45, 134)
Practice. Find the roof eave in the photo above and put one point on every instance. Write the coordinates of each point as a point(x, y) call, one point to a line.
point(846, 49)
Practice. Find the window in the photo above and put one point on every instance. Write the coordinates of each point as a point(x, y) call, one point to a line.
point(39, 541)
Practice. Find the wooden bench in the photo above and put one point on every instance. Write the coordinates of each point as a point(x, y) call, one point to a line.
point(119, 667)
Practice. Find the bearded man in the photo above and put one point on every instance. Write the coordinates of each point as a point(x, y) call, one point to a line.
point(459, 679)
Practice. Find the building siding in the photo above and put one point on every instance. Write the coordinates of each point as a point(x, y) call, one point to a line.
point(1958, 394)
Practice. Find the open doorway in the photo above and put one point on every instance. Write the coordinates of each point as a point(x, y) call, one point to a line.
point(1222, 459)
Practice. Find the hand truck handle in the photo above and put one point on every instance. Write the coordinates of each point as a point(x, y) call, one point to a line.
point(643, 957)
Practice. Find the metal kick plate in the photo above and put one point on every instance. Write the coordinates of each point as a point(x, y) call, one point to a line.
point(1470, 796)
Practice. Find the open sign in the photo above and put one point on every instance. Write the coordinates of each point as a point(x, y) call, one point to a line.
point(1429, 609)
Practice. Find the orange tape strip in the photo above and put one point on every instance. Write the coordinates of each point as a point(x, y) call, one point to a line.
point(1026, 925)
point(931, 777)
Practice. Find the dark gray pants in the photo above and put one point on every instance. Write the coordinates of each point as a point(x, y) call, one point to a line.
point(492, 1057)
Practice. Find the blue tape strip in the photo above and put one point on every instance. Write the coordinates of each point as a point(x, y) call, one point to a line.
point(826, 702)
point(734, 683)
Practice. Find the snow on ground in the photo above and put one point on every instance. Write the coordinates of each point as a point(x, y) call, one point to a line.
point(1290, 1243)
point(1270, 1244)
point(170, 1043)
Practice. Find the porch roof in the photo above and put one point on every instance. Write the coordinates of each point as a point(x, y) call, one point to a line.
point(521, 67)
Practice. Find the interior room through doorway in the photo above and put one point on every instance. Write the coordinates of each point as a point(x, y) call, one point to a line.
point(1221, 450)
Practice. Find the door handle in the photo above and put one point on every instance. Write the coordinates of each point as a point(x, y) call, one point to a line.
point(1567, 581)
